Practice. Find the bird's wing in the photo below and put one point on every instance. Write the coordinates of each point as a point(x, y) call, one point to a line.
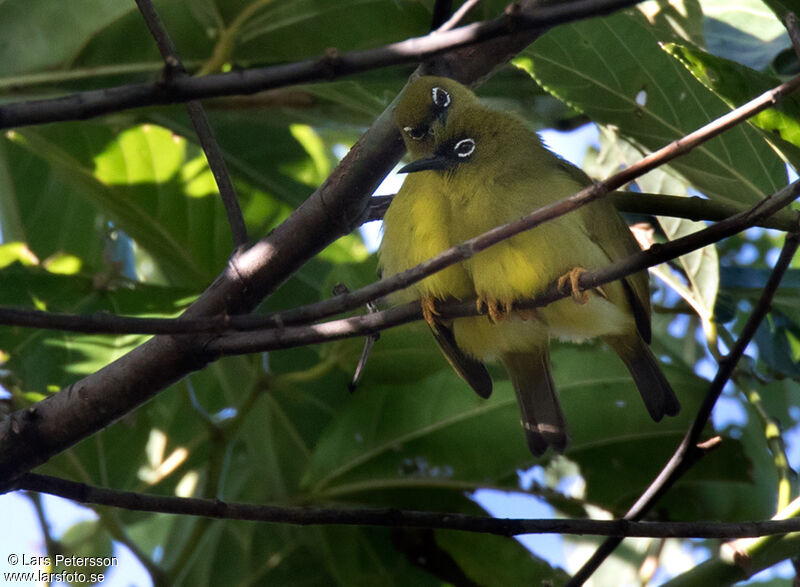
point(471, 370)
point(605, 227)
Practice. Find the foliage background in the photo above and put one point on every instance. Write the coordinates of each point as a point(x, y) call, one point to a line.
point(120, 214)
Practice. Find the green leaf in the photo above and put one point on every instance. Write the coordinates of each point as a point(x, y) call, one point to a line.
point(149, 183)
point(81, 541)
point(430, 434)
point(736, 84)
point(27, 46)
point(44, 358)
point(127, 41)
point(35, 196)
point(365, 556)
point(614, 70)
point(306, 28)
point(495, 560)
point(258, 148)
point(435, 433)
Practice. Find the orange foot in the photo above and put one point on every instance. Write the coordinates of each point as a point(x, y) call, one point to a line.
point(580, 296)
point(526, 315)
point(429, 311)
point(497, 310)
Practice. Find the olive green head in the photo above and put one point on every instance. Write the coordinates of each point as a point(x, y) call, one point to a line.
point(475, 141)
point(423, 110)
point(448, 130)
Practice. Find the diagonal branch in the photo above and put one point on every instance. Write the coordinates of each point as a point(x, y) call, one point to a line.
point(329, 66)
point(32, 436)
point(285, 337)
point(690, 450)
point(174, 70)
point(458, 16)
point(690, 208)
point(392, 517)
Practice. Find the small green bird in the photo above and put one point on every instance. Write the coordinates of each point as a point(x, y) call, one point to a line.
point(474, 169)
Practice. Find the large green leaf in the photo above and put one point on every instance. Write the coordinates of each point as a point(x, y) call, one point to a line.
point(148, 182)
point(42, 358)
point(409, 436)
point(258, 148)
point(306, 28)
point(34, 195)
point(28, 45)
point(735, 84)
point(436, 434)
point(126, 40)
point(365, 556)
point(614, 70)
point(494, 560)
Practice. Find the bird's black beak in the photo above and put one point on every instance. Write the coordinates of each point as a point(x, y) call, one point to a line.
point(434, 163)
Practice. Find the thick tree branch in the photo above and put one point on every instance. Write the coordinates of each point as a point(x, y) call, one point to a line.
point(30, 437)
point(690, 449)
point(95, 103)
point(391, 517)
point(174, 70)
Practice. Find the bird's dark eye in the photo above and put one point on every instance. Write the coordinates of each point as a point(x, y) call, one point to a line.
point(441, 98)
point(416, 133)
point(464, 148)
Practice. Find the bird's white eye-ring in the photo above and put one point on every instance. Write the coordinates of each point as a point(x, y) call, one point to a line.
point(440, 97)
point(417, 133)
point(464, 148)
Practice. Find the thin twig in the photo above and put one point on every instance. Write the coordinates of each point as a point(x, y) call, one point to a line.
point(688, 452)
point(790, 22)
point(458, 16)
point(205, 134)
point(50, 543)
point(391, 517)
point(691, 208)
point(329, 66)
